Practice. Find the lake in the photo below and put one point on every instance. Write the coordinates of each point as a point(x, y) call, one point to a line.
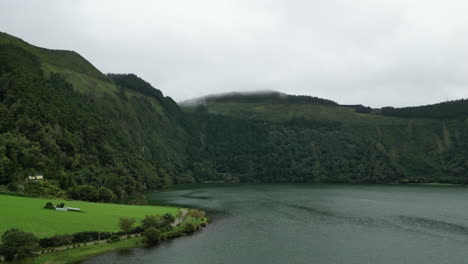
point(306, 223)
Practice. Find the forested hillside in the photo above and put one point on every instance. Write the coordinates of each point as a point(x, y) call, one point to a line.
point(63, 118)
point(451, 109)
point(78, 127)
point(252, 139)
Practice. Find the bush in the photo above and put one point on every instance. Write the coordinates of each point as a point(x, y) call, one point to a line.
point(139, 199)
point(152, 236)
point(189, 228)
point(113, 239)
point(49, 205)
point(155, 221)
point(106, 195)
point(18, 244)
point(13, 187)
point(168, 218)
point(43, 189)
point(84, 192)
point(55, 241)
point(137, 230)
point(126, 224)
point(88, 236)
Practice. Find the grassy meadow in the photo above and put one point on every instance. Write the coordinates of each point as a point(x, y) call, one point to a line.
point(28, 214)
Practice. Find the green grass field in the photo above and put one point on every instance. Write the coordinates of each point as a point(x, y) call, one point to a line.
point(28, 214)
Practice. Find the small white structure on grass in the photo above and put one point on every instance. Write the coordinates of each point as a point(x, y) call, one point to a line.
point(64, 209)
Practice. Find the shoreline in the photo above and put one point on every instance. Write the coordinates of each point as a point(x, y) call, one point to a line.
point(77, 255)
point(184, 224)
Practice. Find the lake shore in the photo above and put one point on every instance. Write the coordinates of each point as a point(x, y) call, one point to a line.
point(76, 255)
point(29, 215)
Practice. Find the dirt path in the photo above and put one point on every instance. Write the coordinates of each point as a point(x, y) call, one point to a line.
point(180, 218)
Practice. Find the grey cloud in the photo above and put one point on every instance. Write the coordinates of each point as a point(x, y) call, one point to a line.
point(373, 52)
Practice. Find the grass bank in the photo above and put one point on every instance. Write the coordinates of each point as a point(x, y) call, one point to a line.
point(75, 255)
point(28, 214)
point(82, 253)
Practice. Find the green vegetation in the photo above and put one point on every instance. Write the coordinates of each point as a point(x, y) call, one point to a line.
point(152, 236)
point(17, 244)
point(77, 254)
point(126, 224)
point(279, 141)
point(99, 137)
point(71, 248)
point(63, 118)
point(451, 109)
point(28, 214)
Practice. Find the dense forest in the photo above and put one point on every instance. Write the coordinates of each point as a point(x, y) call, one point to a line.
point(114, 135)
point(313, 143)
point(119, 138)
point(451, 109)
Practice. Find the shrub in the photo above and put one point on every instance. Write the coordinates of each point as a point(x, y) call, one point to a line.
point(49, 205)
point(18, 244)
point(155, 221)
point(43, 189)
point(106, 195)
point(139, 199)
point(88, 236)
point(55, 241)
point(152, 236)
point(189, 228)
point(13, 187)
point(113, 239)
point(126, 224)
point(168, 218)
point(84, 192)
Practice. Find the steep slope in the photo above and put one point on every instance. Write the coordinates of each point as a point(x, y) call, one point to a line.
point(64, 118)
point(256, 138)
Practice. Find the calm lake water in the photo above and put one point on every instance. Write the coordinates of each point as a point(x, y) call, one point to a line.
point(294, 223)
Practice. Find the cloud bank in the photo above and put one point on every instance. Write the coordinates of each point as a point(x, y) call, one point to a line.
point(378, 53)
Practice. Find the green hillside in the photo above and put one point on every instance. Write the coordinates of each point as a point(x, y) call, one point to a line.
point(62, 117)
point(257, 139)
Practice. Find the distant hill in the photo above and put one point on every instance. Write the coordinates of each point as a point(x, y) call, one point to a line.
point(260, 97)
point(450, 109)
point(266, 137)
point(62, 117)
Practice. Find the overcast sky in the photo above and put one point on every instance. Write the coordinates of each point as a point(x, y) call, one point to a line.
point(378, 53)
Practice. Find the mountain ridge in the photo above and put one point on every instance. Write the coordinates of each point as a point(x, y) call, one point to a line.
point(81, 127)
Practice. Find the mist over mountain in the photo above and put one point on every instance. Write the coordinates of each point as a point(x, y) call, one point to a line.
point(64, 118)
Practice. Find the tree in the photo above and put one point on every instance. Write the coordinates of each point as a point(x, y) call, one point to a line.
point(18, 244)
point(106, 195)
point(152, 236)
point(84, 192)
point(126, 224)
point(152, 221)
point(168, 218)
